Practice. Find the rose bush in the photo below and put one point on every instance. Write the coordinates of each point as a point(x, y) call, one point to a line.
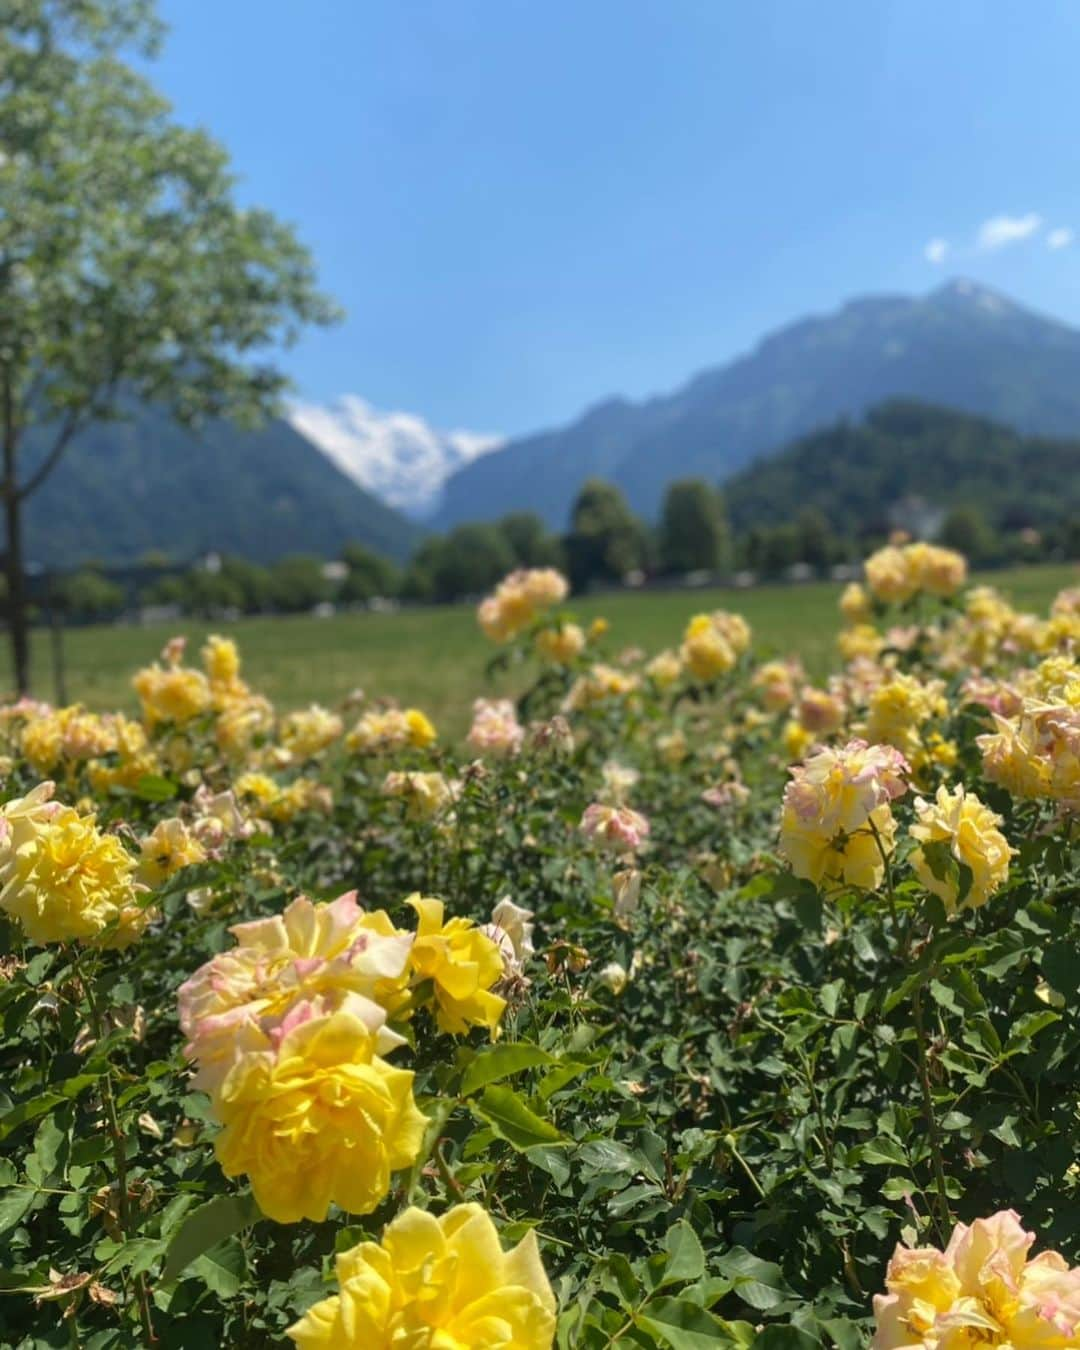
point(658, 1012)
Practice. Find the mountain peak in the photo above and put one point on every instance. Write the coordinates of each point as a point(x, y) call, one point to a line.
point(963, 346)
point(396, 455)
point(963, 293)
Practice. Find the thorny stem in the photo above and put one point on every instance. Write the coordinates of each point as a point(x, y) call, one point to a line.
point(119, 1143)
point(943, 1220)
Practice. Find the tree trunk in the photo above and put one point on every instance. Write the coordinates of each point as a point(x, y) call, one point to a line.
point(17, 622)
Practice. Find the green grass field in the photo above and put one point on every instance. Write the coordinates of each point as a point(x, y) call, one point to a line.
point(435, 658)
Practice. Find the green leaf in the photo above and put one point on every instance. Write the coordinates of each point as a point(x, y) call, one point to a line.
point(15, 1205)
point(205, 1228)
point(221, 1269)
point(682, 1325)
point(500, 1061)
point(686, 1260)
point(759, 1283)
point(26, 1111)
point(779, 1337)
point(512, 1120)
point(883, 1151)
point(151, 787)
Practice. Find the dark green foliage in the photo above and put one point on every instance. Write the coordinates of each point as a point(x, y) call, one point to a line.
point(914, 455)
point(148, 483)
point(369, 577)
point(606, 540)
point(693, 528)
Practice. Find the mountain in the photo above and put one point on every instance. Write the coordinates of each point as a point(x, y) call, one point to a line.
point(963, 346)
point(145, 483)
point(396, 455)
point(908, 459)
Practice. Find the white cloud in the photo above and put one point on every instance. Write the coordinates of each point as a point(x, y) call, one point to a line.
point(395, 455)
point(999, 231)
point(1062, 237)
point(936, 251)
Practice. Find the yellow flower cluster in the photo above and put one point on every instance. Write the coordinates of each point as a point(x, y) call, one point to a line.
point(600, 684)
point(435, 1284)
point(561, 645)
point(1036, 751)
point(425, 795)
point(713, 643)
point(381, 732)
point(896, 573)
point(289, 1031)
point(64, 880)
point(518, 600)
point(982, 1290)
point(899, 709)
point(308, 733)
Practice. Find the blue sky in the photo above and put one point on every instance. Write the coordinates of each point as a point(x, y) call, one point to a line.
point(528, 205)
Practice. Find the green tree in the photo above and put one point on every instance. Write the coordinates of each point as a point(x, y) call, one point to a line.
point(530, 540)
point(369, 575)
point(126, 267)
point(817, 545)
point(88, 595)
point(966, 530)
point(251, 581)
point(693, 528)
point(606, 539)
point(297, 583)
point(469, 561)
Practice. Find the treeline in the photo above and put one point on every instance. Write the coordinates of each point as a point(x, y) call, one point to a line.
point(606, 544)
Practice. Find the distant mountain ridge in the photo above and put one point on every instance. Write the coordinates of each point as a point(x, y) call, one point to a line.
point(398, 456)
point(963, 346)
point(146, 483)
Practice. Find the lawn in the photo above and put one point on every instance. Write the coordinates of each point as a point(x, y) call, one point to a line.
point(435, 657)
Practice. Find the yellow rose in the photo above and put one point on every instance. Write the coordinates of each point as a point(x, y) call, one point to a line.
point(221, 661)
point(462, 963)
point(174, 694)
point(664, 669)
point(855, 603)
point(968, 829)
point(560, 645)
point(322, 1121)
point(167, 850)
point(889, 575)
point(435, 1284)
point(307, 733)
point(62, 878)
point(981, 1290)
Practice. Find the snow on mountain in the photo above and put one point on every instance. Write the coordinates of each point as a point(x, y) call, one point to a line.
point(396, 455)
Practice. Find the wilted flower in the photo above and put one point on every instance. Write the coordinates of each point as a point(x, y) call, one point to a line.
point(617, 827)
point(511, 930)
